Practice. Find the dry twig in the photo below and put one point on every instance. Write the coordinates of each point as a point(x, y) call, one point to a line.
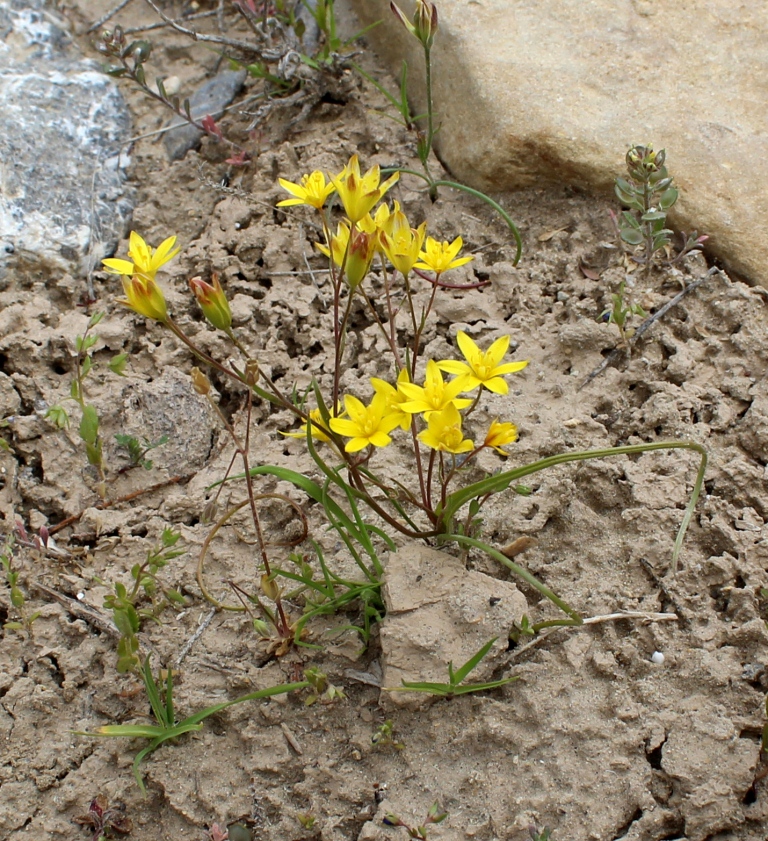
point(645, 326)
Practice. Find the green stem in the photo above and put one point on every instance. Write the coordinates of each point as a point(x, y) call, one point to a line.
point(483, 197)
point(501, 481)
point(522, 573)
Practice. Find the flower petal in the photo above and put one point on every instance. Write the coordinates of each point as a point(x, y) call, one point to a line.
point(496, 351)
point(467, 346)
point(117, 266)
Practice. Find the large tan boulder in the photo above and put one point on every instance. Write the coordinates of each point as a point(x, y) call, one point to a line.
point(559, 89)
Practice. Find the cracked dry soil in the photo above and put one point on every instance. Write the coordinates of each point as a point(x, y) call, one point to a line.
point(594, 739)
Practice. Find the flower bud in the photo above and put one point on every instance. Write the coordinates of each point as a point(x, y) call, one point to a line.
point(200, 383)
point(362, 247)
point(424, 24)
point(213, 302)
point(251, 372)
point(270, 587)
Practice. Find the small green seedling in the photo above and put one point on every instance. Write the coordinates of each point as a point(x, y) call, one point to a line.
point(540, 834)
point(24, 620)
point(160, 695)
point(138, 449)
point(384, 737)
point(620, 313)
point(321, 688)
point(419, 833)
point(455, 685)
point(89, 421)
point(123, 603)
point(307, 820)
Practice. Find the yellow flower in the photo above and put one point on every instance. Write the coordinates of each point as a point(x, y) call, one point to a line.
point(481, 368)
point(359, 193)
point(402, 243)
point(356, 255)
point(145, 261)
point(381, 221)
point(143, 296)
point(435, 395)
point(367, 425)
point(312, 191)
point(395, 397)
point(319, 430)
point(500, 434)
point(441, 256)
point(444, 432)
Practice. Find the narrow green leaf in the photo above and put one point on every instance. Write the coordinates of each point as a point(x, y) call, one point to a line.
point(473, 661)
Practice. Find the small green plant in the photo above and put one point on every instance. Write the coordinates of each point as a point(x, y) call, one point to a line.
point(160, 695)
point(321, 689)
point(419, 833)
point(324, 14)
point(307, 820)
point(137, 449)
point(23, 620)
point(620, 313)
point(384, 737)
point(89, 418)
point(124, 604)
point(540, 834)
point(649, 195)
point(456, 685)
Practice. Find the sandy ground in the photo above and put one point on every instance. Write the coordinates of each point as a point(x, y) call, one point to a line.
point(594, 740)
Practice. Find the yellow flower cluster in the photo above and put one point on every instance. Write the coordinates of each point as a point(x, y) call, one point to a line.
point(437, 401)
point(362, 235)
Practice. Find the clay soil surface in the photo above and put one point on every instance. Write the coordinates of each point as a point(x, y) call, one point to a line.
point(595, 739)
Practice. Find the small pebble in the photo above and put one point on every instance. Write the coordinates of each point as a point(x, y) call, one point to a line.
point(657, 657)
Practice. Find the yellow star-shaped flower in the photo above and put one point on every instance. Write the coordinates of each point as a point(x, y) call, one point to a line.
point(395, 397)
point(359, 193)
point(312, 191)
point(145, 260)
point(444, 434)
point(481, 367)
point(435, 395)
point(438, 257)
point(367, 425)
point(144, 296)
point(319, 430)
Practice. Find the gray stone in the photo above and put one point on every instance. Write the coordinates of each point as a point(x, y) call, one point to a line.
point(169, 406)
point(438, 612)
point(559, 89)
point(209, 100)
point(63, 203)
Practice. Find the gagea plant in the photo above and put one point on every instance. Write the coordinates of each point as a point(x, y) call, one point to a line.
point(378, 260)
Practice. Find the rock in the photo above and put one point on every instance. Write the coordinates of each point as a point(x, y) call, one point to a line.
point(209, 100)
point(708, 805)
point(557, 91)
point(63, 205)
point(438, 612)
point(169, 406)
